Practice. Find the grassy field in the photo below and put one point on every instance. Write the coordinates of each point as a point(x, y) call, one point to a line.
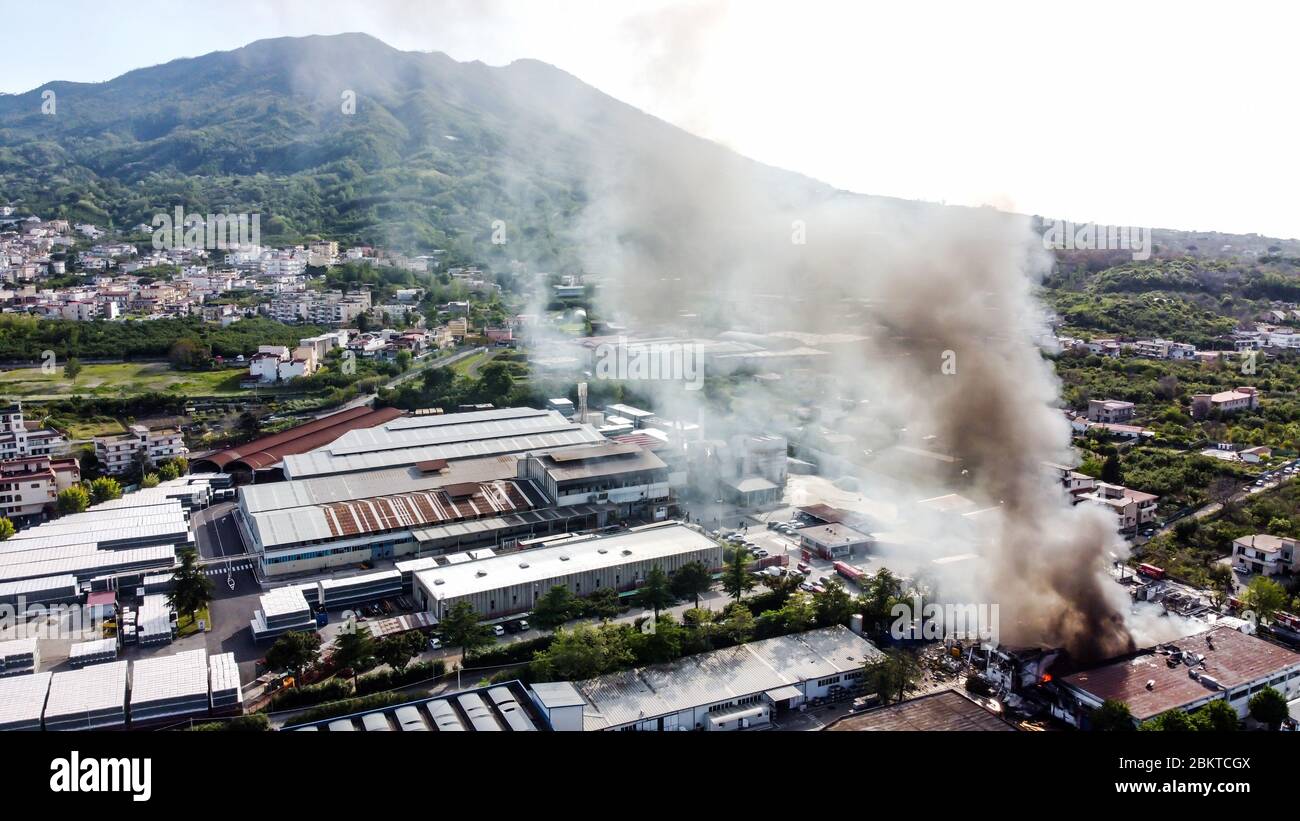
point(119, 379)
point(469, 365)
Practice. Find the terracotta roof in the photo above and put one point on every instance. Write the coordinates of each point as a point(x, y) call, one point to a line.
point(270, 450)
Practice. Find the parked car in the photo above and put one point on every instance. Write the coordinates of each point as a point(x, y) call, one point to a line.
point(435, 643)
point(498, 630)
point(523, 625)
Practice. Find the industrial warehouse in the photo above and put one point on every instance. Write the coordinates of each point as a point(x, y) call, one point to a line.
point(508, 584)
point(444, 504)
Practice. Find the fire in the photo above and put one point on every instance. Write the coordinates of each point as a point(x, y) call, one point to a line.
point(1046, 678)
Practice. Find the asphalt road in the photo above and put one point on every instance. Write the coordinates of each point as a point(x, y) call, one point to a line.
point(216, 535)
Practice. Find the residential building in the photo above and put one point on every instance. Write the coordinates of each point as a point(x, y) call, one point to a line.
point(1132, 508)
point(1109, 410)
point(30, 486)
point(1233, 401)
point(19, 438)
point(1264, 555)
point(140, 445)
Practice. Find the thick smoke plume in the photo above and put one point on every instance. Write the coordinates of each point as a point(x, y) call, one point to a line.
point(700, 241)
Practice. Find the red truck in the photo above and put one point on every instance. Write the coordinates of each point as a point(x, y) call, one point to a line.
point(849, 572)
point(1151, 571)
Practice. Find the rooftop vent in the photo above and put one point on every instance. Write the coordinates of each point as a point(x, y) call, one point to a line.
point(481, 573)
point(523, 564)
point(602, 550)
point(439, 581)
point(563, 558)
point(627, 552)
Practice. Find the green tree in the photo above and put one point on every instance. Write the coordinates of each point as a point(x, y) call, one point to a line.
point(169, 471)
point(655, 594)
point(1217, 716)
point(396, 651)
point(104, 489)
point(1265, 597)
point(1111, 471)
point(799, 613)
point(72, 369)
point(293, 652)
point(460, 627)
point(73, 500)
point(554, 608)
point(1173, 721)
point(149, 480)
point(353, 648)
point(1112, 716)
point(691, 580)
point(191, 587)
point(403, 361)
point(894, 675)
point(496, 381)
point(583, 652)
point(188, 353)
point(739, 624)
point(1269, 708)
point(603, 603)
point(834, 605)
point(6, 528)
point(877, 601)
point(736, 578)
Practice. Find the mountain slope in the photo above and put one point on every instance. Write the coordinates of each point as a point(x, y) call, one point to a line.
point(435, 151)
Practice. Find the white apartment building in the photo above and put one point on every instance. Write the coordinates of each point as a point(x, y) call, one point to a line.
point(18, 441)
point(1109, 410)
point(1264, 554)
point(30, 486)
point(118, 454)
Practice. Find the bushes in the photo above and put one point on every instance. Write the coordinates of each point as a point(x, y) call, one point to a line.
point(390, 679)
point(510, 653)
point(296, 697)
point(355, 705)
point(252, 723)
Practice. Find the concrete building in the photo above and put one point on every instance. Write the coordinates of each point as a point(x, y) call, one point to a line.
point(30, 486)
point(18, 440)
point(626, 475)
point(139, 446)
point(944, 711)
point(833, 541)
point(1264, 554)
point(1243, 398)
point(1109, 410)
point(1220, 664)
point(1132, 508)
point(735, 688)
point(511, 583)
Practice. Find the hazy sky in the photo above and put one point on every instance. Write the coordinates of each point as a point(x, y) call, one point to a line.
point(1176, 115)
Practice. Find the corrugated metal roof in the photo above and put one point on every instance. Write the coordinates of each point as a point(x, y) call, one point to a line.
point(387, 438)
point(90, 689)
point(167, 678)
point(722, 675)
point(22, 700)
point(322, 463)
point(269, 450)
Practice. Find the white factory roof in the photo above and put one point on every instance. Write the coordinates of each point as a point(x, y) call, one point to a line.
point(324, 462)
point(722, 675)
point(94, 647)
point(22, 698)
point(101, 534)
point(38, 585)
point(441, 420)
point(362, 580)
point(127, 506)
point(155, 617)
point(389, 437)
point(167, 678)
point(59, 527)
point(18, 647)
point(283, 601)
point(98, 687)
point(85, 563)
point(577, 555)
point(323, 490)
point(223, 673)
